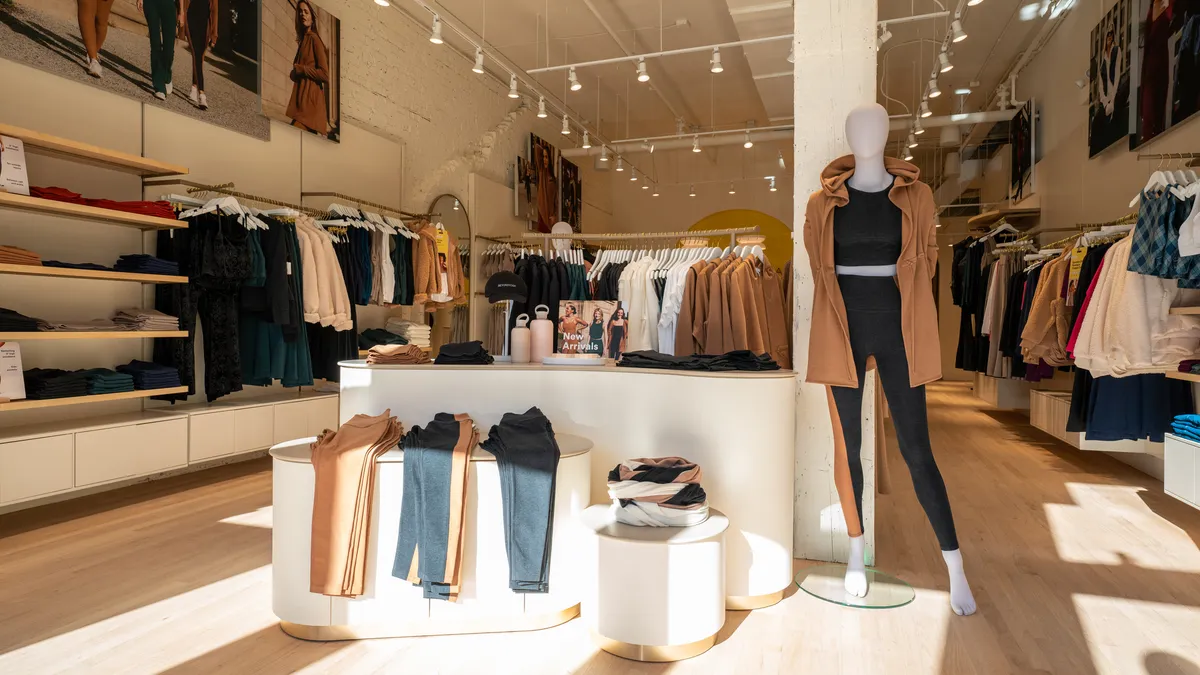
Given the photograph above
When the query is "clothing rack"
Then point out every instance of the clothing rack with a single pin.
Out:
(730, 232)
(374, 205)
(1168, 155)
(227, 189)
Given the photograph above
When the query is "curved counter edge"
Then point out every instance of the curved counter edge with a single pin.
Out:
(457, 626)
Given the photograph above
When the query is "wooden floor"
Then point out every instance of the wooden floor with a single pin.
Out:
(1080, 565)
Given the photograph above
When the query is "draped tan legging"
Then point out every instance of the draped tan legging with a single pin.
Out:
(93, 24)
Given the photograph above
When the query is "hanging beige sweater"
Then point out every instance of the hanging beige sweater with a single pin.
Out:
(1047, 316)
(333, 299)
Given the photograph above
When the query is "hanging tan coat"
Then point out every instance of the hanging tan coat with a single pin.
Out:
(830, 360)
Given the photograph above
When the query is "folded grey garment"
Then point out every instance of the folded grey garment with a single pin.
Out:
(649, 514)
(82, 326)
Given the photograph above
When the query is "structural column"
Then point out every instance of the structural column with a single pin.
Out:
(834, 72)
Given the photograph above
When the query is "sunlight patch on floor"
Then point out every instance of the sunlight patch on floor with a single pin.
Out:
(1111, 525)
(1133, 637)
(118, 644)
(258, 518)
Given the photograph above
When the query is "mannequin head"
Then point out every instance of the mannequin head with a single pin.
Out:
(867, 130)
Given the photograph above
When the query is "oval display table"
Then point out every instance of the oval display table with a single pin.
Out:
(394, 608)
(738, 426)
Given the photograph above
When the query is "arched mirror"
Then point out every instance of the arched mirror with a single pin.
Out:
(453, 324)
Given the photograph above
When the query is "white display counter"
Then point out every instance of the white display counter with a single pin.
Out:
(738, 426)
(392, 607)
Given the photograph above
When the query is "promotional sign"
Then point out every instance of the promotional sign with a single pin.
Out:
(592, 327)
(12, 379)
(14, 177)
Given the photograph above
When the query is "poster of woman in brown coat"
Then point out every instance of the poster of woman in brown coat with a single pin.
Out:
(308, 108)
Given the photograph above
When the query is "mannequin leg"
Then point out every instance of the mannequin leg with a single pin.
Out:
(846, 411)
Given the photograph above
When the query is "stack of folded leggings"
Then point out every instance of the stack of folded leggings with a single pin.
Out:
(1187, 426)
(433, 505)
(43, 383)
(463, 354)
(736, 360)
(145, 264)
(396, 355)
(344, 464)
(148, 375)
(378, 336)
(107, 381)
(527, 456)
(658, 492)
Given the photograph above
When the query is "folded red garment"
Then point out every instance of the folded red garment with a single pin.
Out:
(58, 194)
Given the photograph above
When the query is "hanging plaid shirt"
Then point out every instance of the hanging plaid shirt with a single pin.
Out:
(1148, 242)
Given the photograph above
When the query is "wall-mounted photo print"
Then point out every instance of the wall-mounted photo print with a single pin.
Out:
(544, 158)
(194, 57)
(301, 74)
(1108, 97)
(571, 208)
(1168, 66)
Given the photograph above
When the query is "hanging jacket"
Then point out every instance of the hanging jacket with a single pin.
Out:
(830, 360)
(428, 274)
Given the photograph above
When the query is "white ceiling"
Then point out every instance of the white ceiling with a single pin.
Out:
(756, 85)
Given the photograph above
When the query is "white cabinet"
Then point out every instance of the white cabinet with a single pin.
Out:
(306, 417)
(37, 467)
(1181, 470)
(211, 435)
(323, 414)
(253, 428)
(106, 455)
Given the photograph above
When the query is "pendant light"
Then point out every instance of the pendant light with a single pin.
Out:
(436, 36)
(731, 190)
(566, 130)
(695, 144)
(512, 87)
(542, 107)
(692, 192)
(604, 153)
(715, 62)
(944, 64)
(383, 3)
(655, 194)
(478, 67)
(575, 86)
(620, 163)
(749, 143)
(908, 156)
(633, 175)
(912, 140)
(917, 128)
(934, 92)
(924, 110)
(642, 75)
(772, 184)
(956, 31)
(587, 143)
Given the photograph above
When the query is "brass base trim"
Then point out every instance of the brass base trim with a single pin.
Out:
(430, 627)
(748, 602)
(651, 654)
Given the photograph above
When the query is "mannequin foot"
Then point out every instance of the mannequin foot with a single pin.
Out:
(856, 569)
(961, 599)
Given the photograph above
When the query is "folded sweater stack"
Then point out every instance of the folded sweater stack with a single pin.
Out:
(378, 336)
(145, 264)
(407, 355)
(658, 492)
(148, 375)
(1187, 426)
(44, 383)
(14, 255)
(463, 354)
(416, 333)
(145, 319)
(15, 322)
(93, 325)
(107, 381)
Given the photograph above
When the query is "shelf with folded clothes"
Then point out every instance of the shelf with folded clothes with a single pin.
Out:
(37, 142)
(100, 275)
(1190, 377)
(87, 212)
(92, 335)
(29, 404)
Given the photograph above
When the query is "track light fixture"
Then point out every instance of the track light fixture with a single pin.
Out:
(782, 164)
(587, 143)
(924, 110)
(478, 67)
(944, 64)
(908, 156)
(917, 128)
(749, 143)
(604, 153)
(633, 175)
(884, 36)
(731, 190)
(934, 92)
(512, 87)
(772, 183)
(383, 3)
(575, 86)
(715, 62)
(972, 3)
(956, 31)
(542, 106)
(620, 163)
(695, 144)
(646, 186)
(655, 191)
(792, 52)
(692, 191)
(566, 130)
(912, 140)
(642, 75)
(436, 36)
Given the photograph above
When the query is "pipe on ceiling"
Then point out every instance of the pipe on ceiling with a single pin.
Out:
(993, 116)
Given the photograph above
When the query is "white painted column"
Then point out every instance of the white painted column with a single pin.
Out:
(834, 72)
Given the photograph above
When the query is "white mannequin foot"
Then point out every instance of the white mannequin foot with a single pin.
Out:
(961, 600)
(856, 569)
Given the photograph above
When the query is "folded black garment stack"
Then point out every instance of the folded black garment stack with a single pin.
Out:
(463, 353)
(15, 322)
(378, 336)
(145, 264)
(741, 359)
(44, 383)
(148, 375)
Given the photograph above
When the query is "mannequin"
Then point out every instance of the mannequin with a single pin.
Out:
(872, 222)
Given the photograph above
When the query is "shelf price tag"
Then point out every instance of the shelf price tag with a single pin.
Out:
(14, 177)
(12, 378)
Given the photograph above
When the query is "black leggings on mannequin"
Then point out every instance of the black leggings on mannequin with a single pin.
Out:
(873, 315)
(197, 26)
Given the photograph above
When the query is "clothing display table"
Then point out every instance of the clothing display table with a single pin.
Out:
(654, 593)
(738, 426)
(393, 607)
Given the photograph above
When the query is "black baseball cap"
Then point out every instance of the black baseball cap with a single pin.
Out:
(505, 286)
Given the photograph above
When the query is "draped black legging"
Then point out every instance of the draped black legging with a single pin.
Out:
(873, 315)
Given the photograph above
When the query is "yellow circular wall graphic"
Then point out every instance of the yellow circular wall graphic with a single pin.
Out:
(778, 244)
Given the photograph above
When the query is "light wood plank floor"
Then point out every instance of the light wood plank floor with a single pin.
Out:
(1080, 565)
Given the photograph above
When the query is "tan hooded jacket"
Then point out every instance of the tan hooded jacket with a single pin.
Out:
(830, 360)
(427, 271)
